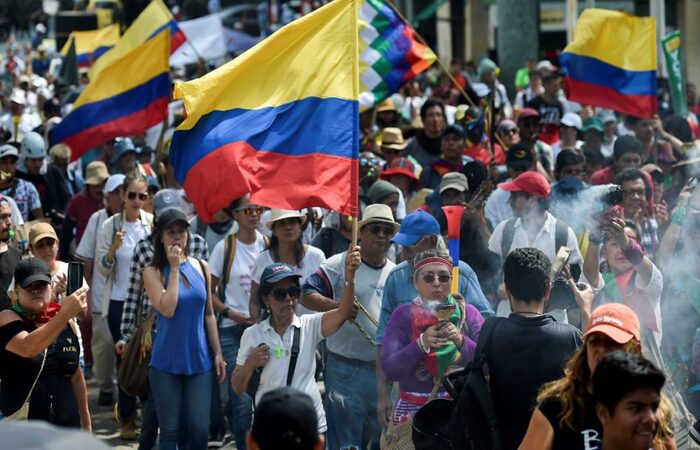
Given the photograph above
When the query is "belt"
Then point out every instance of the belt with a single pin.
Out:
(368, 365)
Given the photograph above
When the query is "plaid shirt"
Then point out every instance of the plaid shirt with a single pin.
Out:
(143, 254)
(650, 241)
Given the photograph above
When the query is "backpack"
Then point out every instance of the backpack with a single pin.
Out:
(474, 425)
(561, 236)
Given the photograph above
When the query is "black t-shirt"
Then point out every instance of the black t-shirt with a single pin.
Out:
(587, 434)
(330, 242)
(8, 261)
(525, 352)
(17, 374)
(52, 189)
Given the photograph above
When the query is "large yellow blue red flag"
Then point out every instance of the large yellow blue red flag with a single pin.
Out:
(612, 62)
(128, 96)
(152, 20)
(280, 121)
(90, 45)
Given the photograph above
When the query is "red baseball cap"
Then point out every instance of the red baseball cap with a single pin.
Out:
(528, 112)
(400, 166)
(615, 320)
(530, 182)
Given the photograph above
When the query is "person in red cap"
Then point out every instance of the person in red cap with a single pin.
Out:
(565, 416)
(532, 225)
(401, 173)
(529, 123)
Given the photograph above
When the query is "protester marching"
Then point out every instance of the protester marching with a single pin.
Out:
(334, 240)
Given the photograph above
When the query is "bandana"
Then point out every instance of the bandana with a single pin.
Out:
(43, 317)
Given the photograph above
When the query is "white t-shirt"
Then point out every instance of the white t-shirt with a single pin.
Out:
(133, 233)
(311, 262)
(497, 208)
(240, 276)
(274, 374)
(86, 252)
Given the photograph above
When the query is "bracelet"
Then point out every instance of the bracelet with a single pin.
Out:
(422, 345)
(678, 215)
(595, 238)
(349, 283)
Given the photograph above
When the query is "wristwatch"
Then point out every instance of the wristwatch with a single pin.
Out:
(226, 311)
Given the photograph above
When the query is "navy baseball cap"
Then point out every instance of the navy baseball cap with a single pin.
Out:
(277, 272)
(415, 227)
(285, 419)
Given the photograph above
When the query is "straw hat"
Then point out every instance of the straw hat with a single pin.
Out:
(96, 173)
(393, 138)
(280, 214)
(378, 213)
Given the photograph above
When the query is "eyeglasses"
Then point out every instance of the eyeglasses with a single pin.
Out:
(280, 294)
(510, 131)
(442, 278)
(250, 210)
(632, 194)
(143, 196)
(376, 229)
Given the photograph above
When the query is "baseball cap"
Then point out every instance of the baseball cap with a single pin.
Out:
(277, 272)
(461, 111)
(285, 418)
(28, 271)
(526, 113)
(8, 150)
(622, 145)
(415, 227)
(593, 123)
(170, 216)
(114, 182)
(40, 231)
(519, 156)
(454, 129)
(454, 180)
(615, 320)
(401, 166)
(545, 64)
(571, 119)
(530, 182)
(164, 199)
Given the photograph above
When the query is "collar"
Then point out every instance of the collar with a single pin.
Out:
(267, 327)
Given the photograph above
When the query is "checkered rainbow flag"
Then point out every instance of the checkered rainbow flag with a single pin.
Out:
(390, 55)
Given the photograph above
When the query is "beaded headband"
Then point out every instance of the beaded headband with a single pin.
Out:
(432, 260)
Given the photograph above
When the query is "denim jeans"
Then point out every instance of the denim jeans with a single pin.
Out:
(176, 395)
(238, 407)
(149, 424)
(127, 403)
(351, 405)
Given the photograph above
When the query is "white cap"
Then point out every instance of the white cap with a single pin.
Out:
(545, 64)
(481, 89)
(572, 119)
(8, 150)
(18, 97)
(114, 181)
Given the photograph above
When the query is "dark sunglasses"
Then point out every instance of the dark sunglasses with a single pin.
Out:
(250, 210)
(442, 278)
(143, 196)
(510, 131)
(376, 229)
(280, 294)
(364, 162)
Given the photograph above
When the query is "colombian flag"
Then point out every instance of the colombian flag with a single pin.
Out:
(280, 121)
(154, 19)
(612, 62)
(90, 45)
(114, 104)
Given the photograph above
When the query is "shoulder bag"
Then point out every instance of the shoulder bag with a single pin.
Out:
(23, 412)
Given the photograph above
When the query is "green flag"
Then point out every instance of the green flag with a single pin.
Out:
(676, 79)
(69, 70)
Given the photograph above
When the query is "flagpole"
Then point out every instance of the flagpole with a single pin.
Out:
(440, 63)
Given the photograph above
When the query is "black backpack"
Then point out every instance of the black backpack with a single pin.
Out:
(474, 425)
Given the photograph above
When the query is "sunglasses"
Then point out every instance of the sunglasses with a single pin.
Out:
(442, 278)
(364, 162)
(510, 131)
(376, 229)
(250, 210)
(143, 196)
(280, 294)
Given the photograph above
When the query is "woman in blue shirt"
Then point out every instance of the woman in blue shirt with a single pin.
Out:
(181, 362)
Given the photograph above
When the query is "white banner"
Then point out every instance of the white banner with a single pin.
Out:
(206, 35)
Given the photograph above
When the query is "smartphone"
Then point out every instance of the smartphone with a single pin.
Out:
(76, 271)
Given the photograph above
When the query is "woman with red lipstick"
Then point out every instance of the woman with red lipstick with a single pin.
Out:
(428, 336)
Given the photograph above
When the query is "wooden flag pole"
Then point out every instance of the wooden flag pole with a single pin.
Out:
(354, 231)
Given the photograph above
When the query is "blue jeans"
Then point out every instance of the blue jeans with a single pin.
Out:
(149, 424)
(351, 404)
(237, 407)
(176, 395)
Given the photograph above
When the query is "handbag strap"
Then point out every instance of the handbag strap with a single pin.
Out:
(295, 355)
(41, 369)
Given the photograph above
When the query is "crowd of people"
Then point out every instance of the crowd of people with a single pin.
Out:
(579, 244)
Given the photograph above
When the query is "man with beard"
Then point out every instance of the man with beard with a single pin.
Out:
(424, 147)
(352, 407)
(9, 256)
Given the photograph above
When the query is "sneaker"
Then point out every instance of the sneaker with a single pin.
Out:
(105, 399)
(694, 432)
(216, 440)
(129, 431)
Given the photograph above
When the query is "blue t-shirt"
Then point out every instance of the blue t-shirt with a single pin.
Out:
(180, 345)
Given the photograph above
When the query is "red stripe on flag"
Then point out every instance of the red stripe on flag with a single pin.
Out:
(273, 179)
(176, 40)
(135, 123)
(592, 94)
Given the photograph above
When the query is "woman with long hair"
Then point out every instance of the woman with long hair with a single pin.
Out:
(39, 354)
(116, 241)
(565, 417)
(180, 370)
(286, 246)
